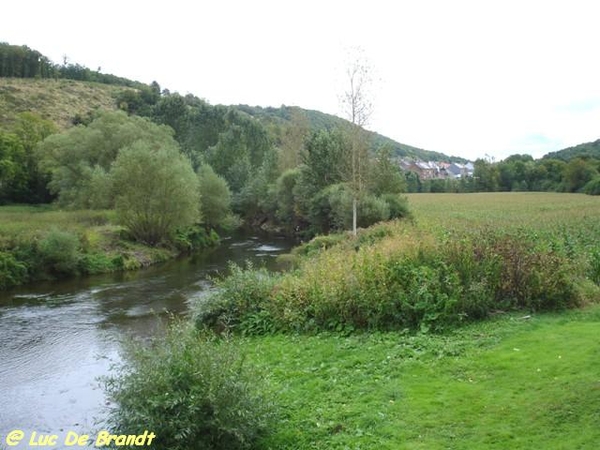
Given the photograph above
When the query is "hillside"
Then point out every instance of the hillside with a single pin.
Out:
(322, 121)
(62, 100)
(57, 100)
(586, 150)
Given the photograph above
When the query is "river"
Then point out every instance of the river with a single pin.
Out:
(57, 338)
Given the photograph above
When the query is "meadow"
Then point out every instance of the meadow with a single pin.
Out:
(474, 325)
(520, 379)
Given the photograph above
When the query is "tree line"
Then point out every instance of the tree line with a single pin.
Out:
(520, 173)
(20, 61)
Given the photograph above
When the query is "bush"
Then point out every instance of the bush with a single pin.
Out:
(195, 237)
(239, 296)
(592, 187)
(331, 209)
(318, 243)
(370, 211)
(157, 191)
(397, 204)
(59, 252)
(215, 197)
(94, 263)
(12, 272)
(192, 390)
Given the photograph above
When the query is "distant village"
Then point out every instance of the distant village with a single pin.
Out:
(432, 170)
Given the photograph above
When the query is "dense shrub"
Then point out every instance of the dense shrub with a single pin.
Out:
(12, 272)
(195, 237)
(94, 263)
(238, 298)
(592, 187)
(397, 205)
(594, 270)
(192, 390)
(59, 252)
(400, 281)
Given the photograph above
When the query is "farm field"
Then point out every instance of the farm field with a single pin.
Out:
(538, 210)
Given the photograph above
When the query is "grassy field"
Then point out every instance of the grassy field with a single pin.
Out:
(513, 382)
(519, 380)
(539, 210)
(57, 100)
(474, 326)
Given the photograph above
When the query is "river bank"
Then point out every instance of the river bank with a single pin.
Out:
(42, 243)
(58, 337)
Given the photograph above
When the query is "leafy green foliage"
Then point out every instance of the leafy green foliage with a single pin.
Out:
(578, 172)
(238, 301)
(287, 208)
(386, 177)
(12, 271)
(78, 157)
(215, 197)
(397, 206)
(592, 187)
(59, 251)
(396, 276)
(157, 191)
(12, 174)
(195, 237)
(32, 129)
(192, 390)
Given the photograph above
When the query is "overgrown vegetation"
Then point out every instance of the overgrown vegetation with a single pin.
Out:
(192, 391)
(368, 343)
(418, 276)
(38, 243)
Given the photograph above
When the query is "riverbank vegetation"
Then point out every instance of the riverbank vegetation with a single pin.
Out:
(43, 242)
(439, 271)
(471, 326)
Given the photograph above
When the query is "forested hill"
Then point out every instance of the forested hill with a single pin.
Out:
(586, 150)
(317, 120)
(71, 93)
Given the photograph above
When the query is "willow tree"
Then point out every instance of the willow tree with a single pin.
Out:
(357, 107)
(157, 191)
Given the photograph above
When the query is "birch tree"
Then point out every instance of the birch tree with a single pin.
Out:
(358, 107)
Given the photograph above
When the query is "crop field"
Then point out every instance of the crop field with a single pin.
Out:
(537, 210)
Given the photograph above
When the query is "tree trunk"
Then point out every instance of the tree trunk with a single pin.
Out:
(354, 215)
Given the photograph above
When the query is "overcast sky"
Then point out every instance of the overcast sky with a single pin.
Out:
(467, 78)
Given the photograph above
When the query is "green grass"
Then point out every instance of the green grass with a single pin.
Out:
(100, 246)
(540, 210)
(508, 383)
(518, 380)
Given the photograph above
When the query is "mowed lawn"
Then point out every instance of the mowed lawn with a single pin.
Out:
(514, 382)
(517, 381)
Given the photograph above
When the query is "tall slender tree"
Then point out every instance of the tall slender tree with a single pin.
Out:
(357, 107)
